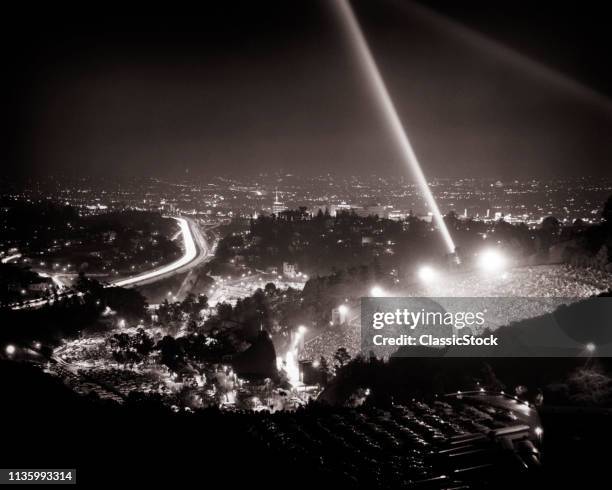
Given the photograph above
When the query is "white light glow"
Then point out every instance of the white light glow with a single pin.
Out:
(491, 261)
(377, 292)
(379, 88)
(427, 273)
(292, 368)
(10, 350)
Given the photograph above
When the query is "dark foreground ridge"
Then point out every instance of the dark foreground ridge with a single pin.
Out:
(465, 440)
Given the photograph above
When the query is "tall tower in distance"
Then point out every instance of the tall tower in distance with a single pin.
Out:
(277, 206)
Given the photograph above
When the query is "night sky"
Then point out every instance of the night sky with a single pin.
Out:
(264, 86)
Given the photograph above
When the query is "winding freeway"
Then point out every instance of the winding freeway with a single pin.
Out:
(197, 251)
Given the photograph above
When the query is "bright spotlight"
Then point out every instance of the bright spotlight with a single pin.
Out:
(10, 349)
(539, 431)
(301, 329)
(491, 261)
(379, 89)
(343, 309)
(590, 347)
(376, 292)
(427, 273)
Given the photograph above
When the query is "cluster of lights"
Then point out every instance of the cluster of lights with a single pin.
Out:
(489, 261)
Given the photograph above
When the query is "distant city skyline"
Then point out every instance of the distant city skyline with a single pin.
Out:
(224, 197)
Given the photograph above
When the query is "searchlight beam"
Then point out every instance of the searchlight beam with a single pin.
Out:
(379, 88)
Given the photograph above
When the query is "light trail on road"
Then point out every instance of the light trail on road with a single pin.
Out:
(190, 254)
(188, 258)
(56, 280)
(8, 259)
(372, 72)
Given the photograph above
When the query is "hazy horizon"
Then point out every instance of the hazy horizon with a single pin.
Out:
(276, 86)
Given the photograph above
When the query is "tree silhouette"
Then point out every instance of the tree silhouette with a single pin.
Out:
(341, 357)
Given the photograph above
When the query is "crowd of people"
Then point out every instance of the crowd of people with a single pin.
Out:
(124, 381)
(556, 281)
(510, 296)
(326, 343)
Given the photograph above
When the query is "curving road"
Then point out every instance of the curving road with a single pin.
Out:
(196, 252)
(8, 259)
(191, 254)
